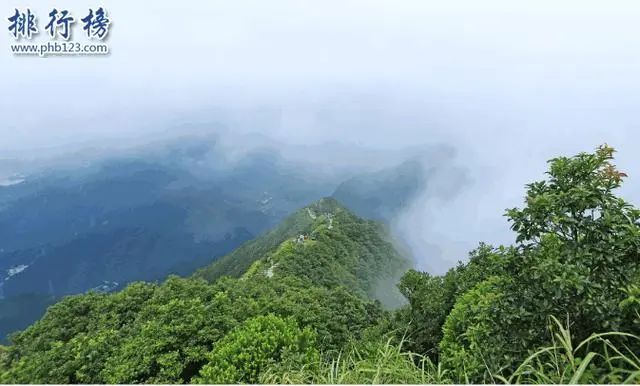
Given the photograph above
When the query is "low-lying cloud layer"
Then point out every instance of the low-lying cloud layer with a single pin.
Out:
(507, 84)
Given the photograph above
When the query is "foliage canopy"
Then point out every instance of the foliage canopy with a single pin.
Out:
(561, 305)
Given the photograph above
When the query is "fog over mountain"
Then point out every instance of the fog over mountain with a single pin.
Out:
(347, 86)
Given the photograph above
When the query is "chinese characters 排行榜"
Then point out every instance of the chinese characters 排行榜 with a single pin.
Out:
(25, 24)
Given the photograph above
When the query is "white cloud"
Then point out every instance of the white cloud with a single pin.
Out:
(510, 84)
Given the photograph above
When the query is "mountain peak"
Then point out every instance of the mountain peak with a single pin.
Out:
(326, 204)
(323, 243)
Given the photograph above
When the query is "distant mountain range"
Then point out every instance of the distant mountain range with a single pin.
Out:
(169, 211)
(382, 194)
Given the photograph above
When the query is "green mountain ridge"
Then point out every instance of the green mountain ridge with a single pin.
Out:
(322, 267)
(324, 244)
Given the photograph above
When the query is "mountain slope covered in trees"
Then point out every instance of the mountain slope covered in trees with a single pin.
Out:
(320, 271)
(101, 222)
(560, 305)
(324, 244)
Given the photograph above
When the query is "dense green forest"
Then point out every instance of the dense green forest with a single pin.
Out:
(312, 301)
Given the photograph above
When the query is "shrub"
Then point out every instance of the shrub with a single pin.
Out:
(242, 355)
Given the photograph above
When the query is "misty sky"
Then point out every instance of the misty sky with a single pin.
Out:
(509, 84)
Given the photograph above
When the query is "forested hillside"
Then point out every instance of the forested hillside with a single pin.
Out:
(323, 244)
(142, 216)
(315, 276)
(165, 208)
(304, 304)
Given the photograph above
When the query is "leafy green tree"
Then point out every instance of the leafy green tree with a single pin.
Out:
(242, 355)
(577, 248)
(468, 348)
(579, 245)
(171, 334)
(431, 298)
(162, 333)
(71, 343)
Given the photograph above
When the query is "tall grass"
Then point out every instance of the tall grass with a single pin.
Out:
(601, 358)
(380, 363)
